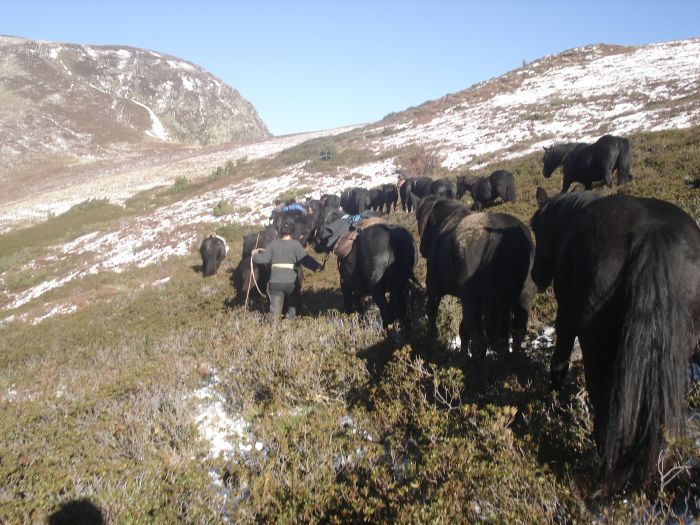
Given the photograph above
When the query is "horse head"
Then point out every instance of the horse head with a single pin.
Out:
(464, 184)
(550, 162)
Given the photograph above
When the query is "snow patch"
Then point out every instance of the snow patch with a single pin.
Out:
(157, 129)
(568, 102)
(176, 64)
(227, 434)
(188, 83)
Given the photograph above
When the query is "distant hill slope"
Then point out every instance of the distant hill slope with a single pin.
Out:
(61, 102)
(576, 95)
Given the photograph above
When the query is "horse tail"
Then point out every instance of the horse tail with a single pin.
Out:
(624, 160)
(646, 384)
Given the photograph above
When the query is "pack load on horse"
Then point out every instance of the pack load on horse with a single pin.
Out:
(328, 235)
(627, 282)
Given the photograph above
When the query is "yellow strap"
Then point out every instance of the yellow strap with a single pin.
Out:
(288, 266)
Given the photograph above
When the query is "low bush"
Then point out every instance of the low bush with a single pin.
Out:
(222, 208)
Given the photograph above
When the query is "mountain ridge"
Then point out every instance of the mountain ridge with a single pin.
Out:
(65, 103)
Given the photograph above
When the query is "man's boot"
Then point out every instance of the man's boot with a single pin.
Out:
(276, 305)
(292, 310)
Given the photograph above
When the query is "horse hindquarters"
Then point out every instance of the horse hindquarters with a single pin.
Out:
(647, 380)
(624, 159)
(210, 263)
(213, 252)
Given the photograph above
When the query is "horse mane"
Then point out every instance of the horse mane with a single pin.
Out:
(560, 207)
(447, 214)
(423, 212)
(436, 217)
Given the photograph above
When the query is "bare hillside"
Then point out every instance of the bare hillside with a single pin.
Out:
(66, 106)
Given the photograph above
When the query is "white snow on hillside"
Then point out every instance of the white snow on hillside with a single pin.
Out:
(574, 100)
(131, 179)
(177, 230)
(570, 102)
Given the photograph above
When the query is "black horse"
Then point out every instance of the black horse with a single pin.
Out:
(381, 262)
(442, 188)
(403, 186)
(355, 200)
(464, 184)
(590, 164)
(484, 260)
(213, 250)
(627, 283)
(383, 197)
(485, 190)
(420, 186)
(376, 199)
(305, 223)
(331, 207)
(390, 197)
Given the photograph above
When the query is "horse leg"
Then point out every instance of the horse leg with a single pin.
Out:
(608, 178)
(497, 330)
(385, 309)
(432, 307)
(347, 298)
(397, 300)
(470, 330)
(559, 365)
(519, 327)
(565, 184)
(597, 350)
(521, 314)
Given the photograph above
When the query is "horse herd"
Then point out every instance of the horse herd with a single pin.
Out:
(624, 270)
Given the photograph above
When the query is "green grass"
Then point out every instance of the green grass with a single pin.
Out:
(357, 425)
(17, 247)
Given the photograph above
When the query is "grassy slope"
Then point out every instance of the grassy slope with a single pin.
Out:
(97, 404)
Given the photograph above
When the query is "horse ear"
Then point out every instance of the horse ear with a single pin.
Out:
(541, 197)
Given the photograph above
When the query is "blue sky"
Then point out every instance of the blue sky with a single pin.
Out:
(309, 65)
